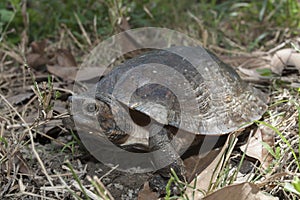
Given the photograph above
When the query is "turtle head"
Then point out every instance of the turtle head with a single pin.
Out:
(93, 115)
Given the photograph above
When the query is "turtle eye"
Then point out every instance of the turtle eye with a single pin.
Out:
(91, 107)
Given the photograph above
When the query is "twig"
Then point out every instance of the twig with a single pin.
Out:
(83, 30)
(35, 195)
(32, 143)
(107, 173)
(73, 37)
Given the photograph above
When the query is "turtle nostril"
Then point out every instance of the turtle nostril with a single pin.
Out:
(139, 118)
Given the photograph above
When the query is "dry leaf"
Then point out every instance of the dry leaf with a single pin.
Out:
(65, 73)
(16, 161)
(89, 73)
(65, 58)
(285, 57)
(146, 193)
(36, 60)
(38, 47)
(37, 57)
(255, 148)
(129, 42)
(242, 191)
(196, 164)
(250, 72)
(123, 24)
(60, 106)
(20, 98)
(208, 175)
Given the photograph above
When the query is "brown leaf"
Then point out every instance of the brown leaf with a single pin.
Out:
(146, 193)
(36, 61)
(38, 47)
(65, 73)
(123, 25)
(37, 57)
(60, 106)
(255, 148)
(209, 174)
(196, 164)
(16, 161)
(242, 191)
(24, 168)
(88, 73)
(285, 57)
(20, 98)
(65, 58)
(250, 72)
(128, 42)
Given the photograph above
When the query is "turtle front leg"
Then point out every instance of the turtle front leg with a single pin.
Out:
(165, 157)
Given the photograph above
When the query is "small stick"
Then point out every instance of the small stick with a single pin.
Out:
(32, 143)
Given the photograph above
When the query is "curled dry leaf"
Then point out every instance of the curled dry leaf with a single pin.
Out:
(242, 191)
(255, 147)
(285, 57)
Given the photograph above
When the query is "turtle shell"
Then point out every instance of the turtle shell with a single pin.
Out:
(185, 87)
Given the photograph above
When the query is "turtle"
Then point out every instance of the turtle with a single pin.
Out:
(170, 95)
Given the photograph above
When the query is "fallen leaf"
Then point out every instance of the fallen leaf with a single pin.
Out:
(65, 73)
(20, 98)
(195, 164)
(209, 174)
(37, 57)
(15, 160)
(283, 58)
(89, 73)
(255, 147)
(36, 61)
(38, 47)
(242, 191)
(250, 72)
(146, 193)
(60, 106)
(65, 58)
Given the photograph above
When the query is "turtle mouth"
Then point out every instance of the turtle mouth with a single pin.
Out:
(87, 124)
